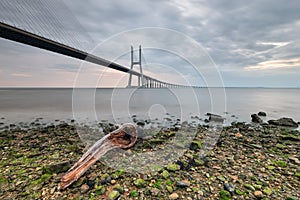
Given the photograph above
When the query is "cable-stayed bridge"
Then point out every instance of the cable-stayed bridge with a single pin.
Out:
(26, 34)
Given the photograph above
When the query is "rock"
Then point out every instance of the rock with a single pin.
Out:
(238, 192)
(294, 160)
(119, 188)
(288, 122)
(84, 188)
(263, 114)
(229, 187)
(199, 162)
(184, 183)
(53, 190)
(113, 195)
(195, 145)
(140, 183)
(169, 188)
(90, 183)
(290, 137)
(238, 134)
(258, 194)
(174, 196)
(155, 191)
(267, 191)
(256, 119)
(140, 123)
(100, 189)
(224, 195)
(173, 167)
(256, 146)
(165, 174)
(133, 193)
(249, 186)
(221, 178)
(57, 168)
(216, 118)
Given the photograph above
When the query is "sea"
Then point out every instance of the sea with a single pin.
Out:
(122, 105)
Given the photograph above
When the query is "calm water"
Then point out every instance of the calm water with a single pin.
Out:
(118, 105)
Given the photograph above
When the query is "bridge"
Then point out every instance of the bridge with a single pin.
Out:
(17, 34)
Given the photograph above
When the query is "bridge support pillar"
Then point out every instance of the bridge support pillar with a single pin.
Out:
(139, 63)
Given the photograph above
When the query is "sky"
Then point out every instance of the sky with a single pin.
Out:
(249, 43)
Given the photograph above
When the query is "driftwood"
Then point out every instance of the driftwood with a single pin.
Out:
(124, 137)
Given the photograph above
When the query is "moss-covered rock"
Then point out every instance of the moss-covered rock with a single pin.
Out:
(173, 167)
(280, 163)
(224, 195)
(195, 145)
(56, 168)
(140, 183)
(99, 190)
(267, 191)
(133, 193)
(113, 195)
(250, 187)
(165, 174)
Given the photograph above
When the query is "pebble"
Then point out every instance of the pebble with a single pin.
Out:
(53, 190)
(229, 187)
(155, 191)
(174, 196)
(184, 183)
(258, 194)
(84, 188)
(113, 195)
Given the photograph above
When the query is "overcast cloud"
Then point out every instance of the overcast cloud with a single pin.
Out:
(253, 43)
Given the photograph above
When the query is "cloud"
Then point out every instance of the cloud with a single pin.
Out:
(21, 75)
(275, 64)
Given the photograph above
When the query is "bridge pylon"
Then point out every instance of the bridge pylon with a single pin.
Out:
(139, 64)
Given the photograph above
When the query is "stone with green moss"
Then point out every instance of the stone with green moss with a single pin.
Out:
(280, 163)
(157, 168)
(119, 188)
(133, 193)
(290, 198)
(157, 141)
(221, 178)
(199, 162)
(249, 186)
(239, 192)
(271, 167)
(267, 191)
(171, 134)
(120, 172)
(44, 178)
(196, 145)
(104, 176)
(173, 167)
(99, 190)
(56, 168)
(3, 180)
(224, 195)
(169, 182)
(140, 183)
(113, 195)
(169, 188)
(165, 174)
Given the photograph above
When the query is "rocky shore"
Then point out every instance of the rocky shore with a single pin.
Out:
(248, 161)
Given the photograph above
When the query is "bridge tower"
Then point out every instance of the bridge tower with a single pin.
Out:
(139, 63)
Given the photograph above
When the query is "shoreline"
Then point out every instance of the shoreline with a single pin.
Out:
(246, 161)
